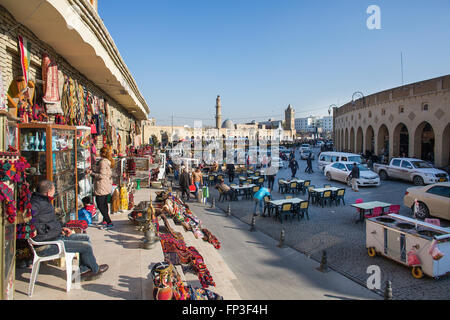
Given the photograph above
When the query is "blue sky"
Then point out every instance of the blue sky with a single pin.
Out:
(261, 55)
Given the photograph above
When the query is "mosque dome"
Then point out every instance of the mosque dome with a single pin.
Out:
(228, 124)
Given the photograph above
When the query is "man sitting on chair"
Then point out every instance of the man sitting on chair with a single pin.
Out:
(50, 229)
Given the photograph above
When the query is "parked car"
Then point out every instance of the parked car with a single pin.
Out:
(415, 170)
(325, 158)
(434, 200)
(340, 171)
(304, 154)
(305, 146)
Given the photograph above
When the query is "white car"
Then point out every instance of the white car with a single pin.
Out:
(304, 154)
(341, 170)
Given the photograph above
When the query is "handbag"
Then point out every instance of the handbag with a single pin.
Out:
(192, 188)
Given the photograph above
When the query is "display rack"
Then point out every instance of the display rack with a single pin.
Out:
(51, 150)
(84, 162)
(7, 245)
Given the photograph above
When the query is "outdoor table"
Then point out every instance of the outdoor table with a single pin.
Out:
(240, 190)
(320, 191)
(285, 182)
(279, 203)
(369, 206)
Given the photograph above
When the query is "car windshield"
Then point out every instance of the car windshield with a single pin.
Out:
(355, 159)
(421, 164)
(361, 167)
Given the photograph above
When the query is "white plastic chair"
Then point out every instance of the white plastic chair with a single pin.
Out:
(37, 262)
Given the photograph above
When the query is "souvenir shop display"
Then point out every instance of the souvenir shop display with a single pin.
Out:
(15, 208)
(51, 150)
(167, 285)
(84, 162)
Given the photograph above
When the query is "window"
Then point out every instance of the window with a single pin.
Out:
(401, 109)
(425, 107)
(440, 191)
(383, 112)
(421, 165)
(406, 164)
(336, 166)
(344, 159)
(396, 163)
(356, 159)
(334, 158)
(370, 114)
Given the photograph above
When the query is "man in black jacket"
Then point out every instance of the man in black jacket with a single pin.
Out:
(354, 175)
(293, 164)
(230, 170)
(48, 228)
(185, 182)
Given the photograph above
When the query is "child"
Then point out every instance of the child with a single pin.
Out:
(88, 211)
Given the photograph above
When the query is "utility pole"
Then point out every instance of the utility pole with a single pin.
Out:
(401, 62)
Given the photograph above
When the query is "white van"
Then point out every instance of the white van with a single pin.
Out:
(325, 158)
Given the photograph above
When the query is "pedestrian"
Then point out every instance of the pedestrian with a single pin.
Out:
(197, 180)
(271, 172)
(103, 185)
(309, 168)
(293, 164)
(48, 228)
(354, 176)
(231, 171)
(185, 183)
(259, 199)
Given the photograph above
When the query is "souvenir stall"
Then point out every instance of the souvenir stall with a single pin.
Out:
(166, 279)
(51, 150)
(84, 162)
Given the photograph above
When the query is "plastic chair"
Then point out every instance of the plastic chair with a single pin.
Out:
(37, 262)
(395, 208)
(286, 211)
(327, 185)
(376, 212)
(339, 196)
(325, 197)
(288, 197)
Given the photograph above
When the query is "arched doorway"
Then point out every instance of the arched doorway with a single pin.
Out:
(445, 156)
(370, 140)
(346, 140)
(401, 141)
(383, 143)
(424, 142)
(359, 141)
(352, 140)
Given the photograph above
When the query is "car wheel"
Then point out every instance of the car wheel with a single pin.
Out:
(328, 176)
(383, 175)
(423, 212)
(418, 181)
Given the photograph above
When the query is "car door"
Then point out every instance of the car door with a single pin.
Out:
(437, 199)
(394, 169)
(341, 172)
(406, 170)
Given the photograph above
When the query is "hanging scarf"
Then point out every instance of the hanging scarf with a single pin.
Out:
(3, 105)
(24, 50)
(50, 80)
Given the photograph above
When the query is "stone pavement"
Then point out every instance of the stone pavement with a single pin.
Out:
(128, 277)
(333, 229)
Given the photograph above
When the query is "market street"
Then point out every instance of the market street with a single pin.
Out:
(333, 229)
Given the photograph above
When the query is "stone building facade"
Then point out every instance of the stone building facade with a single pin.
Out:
(100, 69)
(412, 120)
(253, 131)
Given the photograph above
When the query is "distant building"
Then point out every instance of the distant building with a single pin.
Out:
(313, 124)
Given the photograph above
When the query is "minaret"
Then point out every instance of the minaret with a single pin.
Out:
(289, 117)
(218, 113)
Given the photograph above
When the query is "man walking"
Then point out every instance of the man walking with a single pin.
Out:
(197, 180)
(185, 183)
(354, 176)
(293, 164)
(309, 163)
(230, 171)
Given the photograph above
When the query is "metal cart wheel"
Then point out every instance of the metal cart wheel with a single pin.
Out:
(417, 272)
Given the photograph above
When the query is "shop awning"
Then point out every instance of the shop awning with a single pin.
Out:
(76, 32)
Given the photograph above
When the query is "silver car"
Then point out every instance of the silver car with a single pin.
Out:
(340, 171)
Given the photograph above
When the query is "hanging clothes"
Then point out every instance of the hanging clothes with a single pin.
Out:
(24, 50)
(50, 80)
(3, 105)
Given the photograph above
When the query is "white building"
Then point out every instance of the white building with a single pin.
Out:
(309, 124)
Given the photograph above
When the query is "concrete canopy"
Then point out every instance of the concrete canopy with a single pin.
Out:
(75, 31)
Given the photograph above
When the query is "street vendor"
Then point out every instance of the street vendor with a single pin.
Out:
(50, 229)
